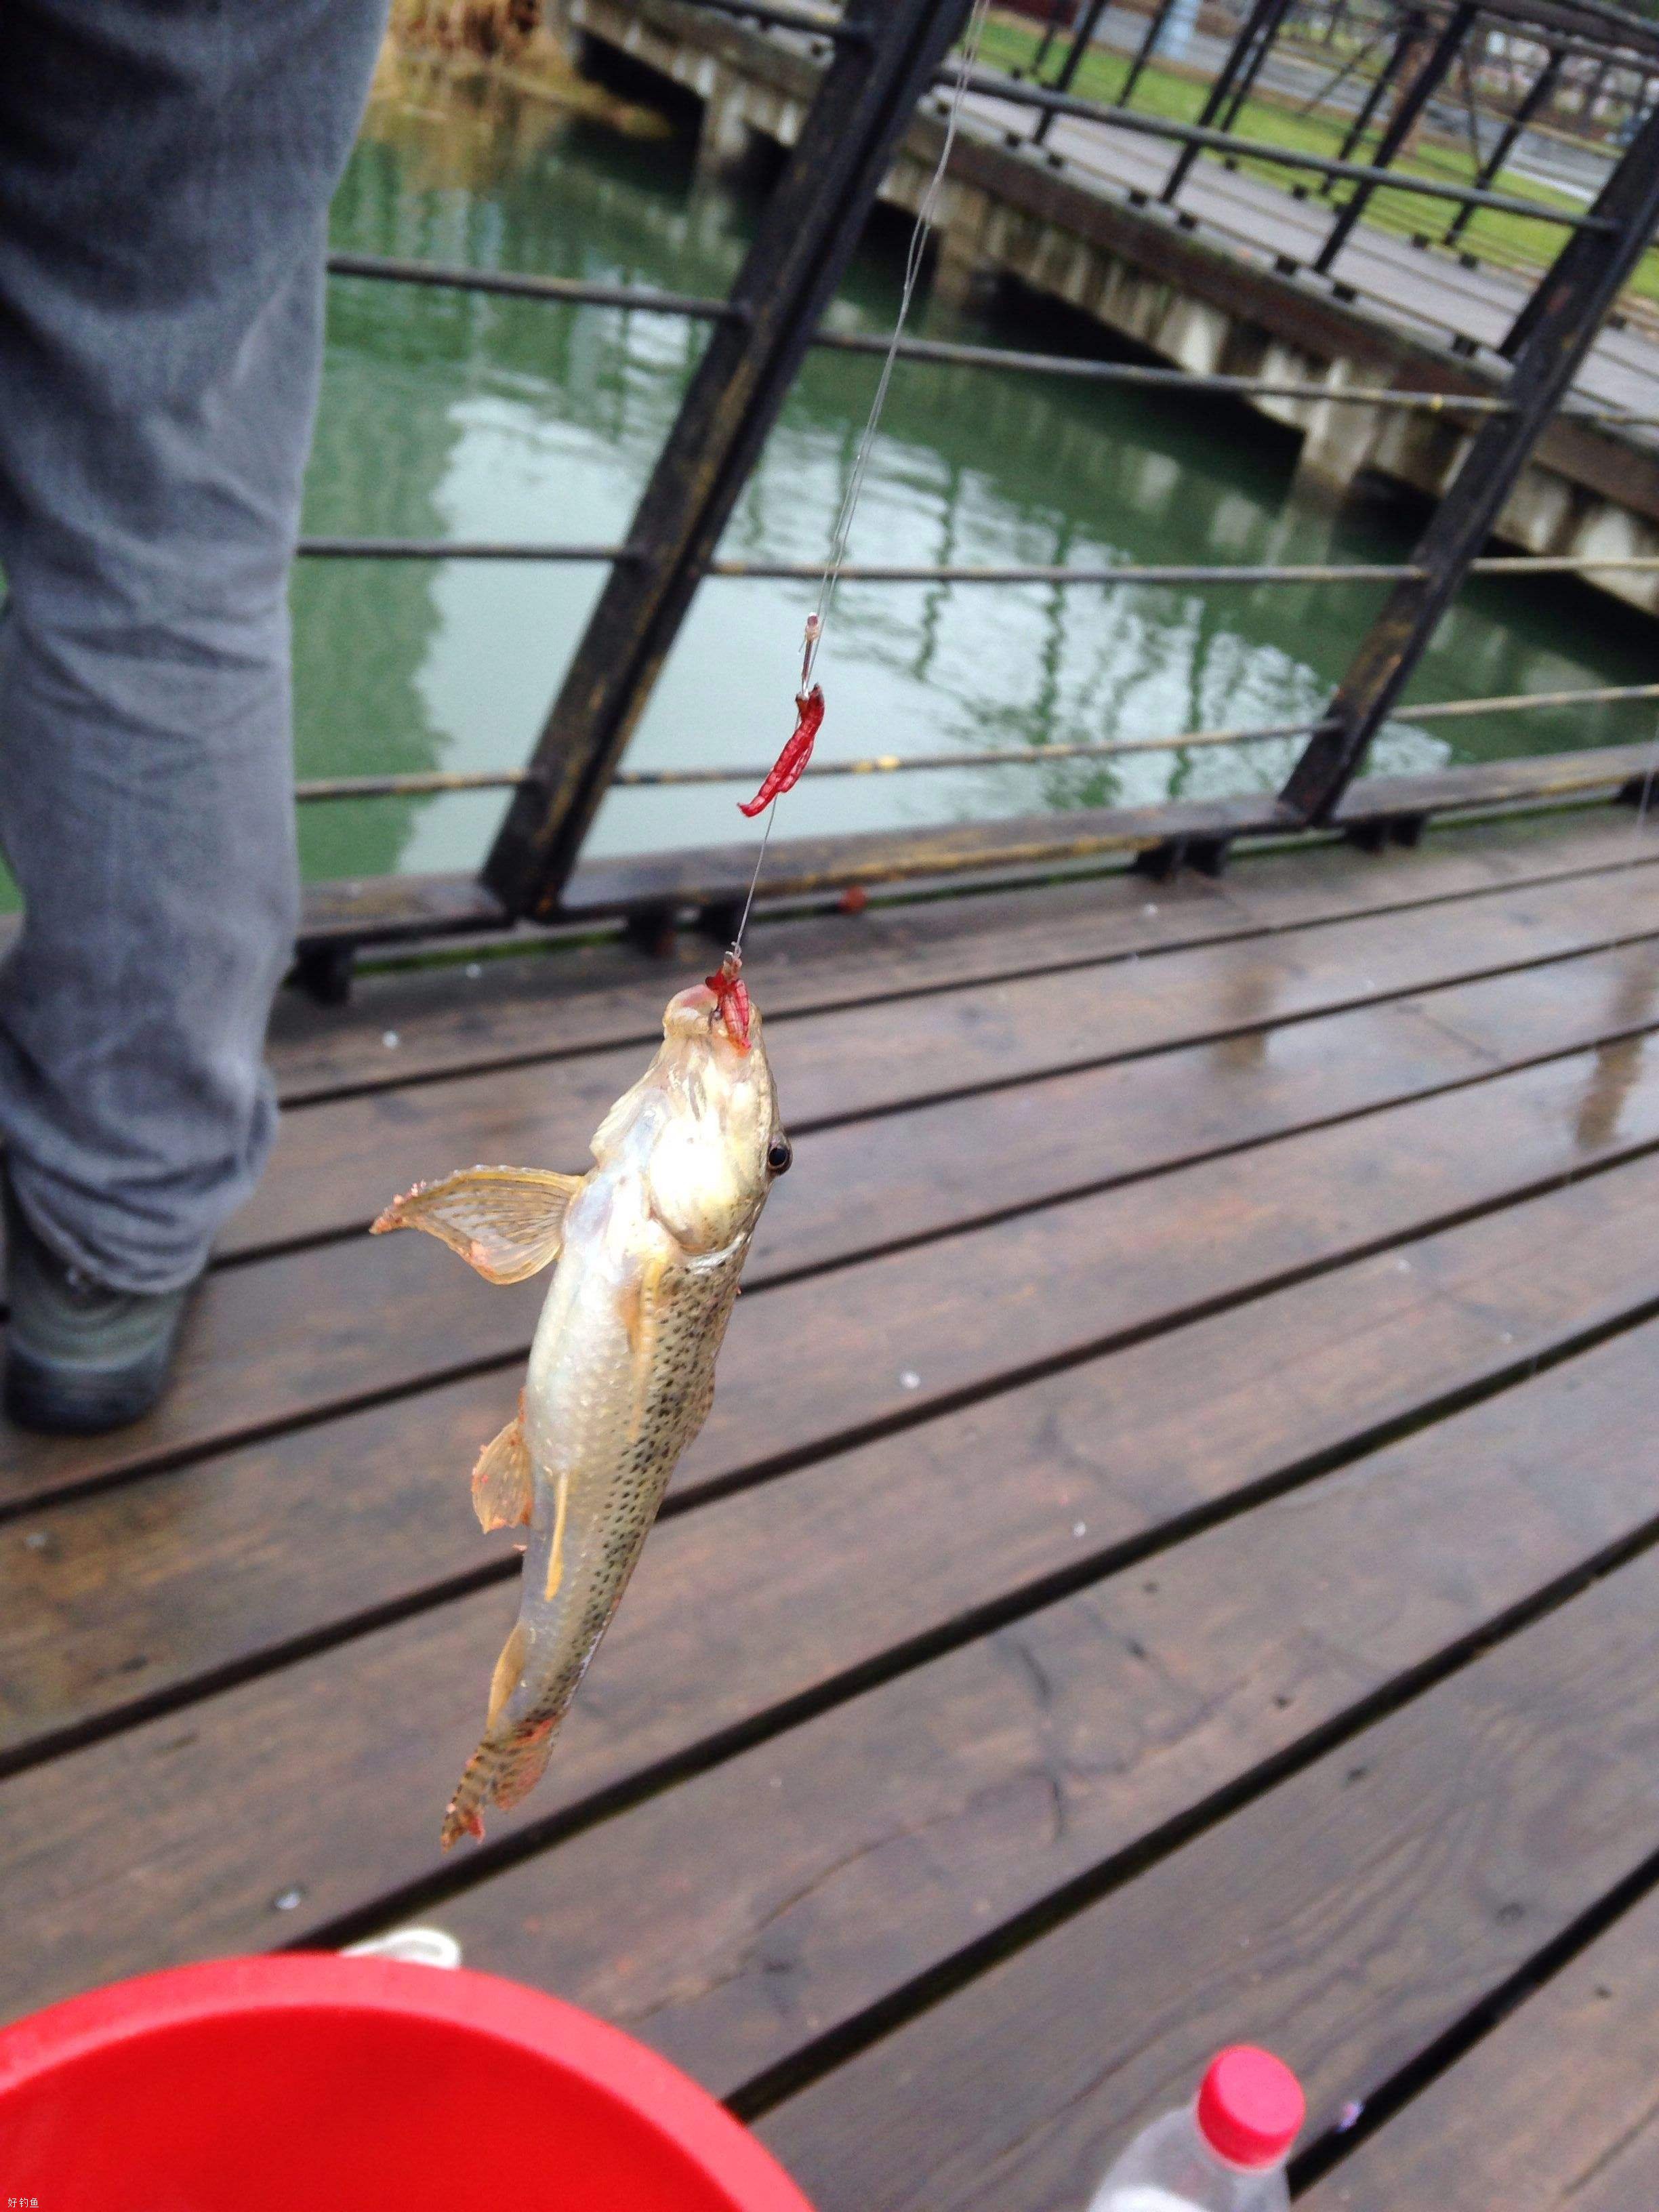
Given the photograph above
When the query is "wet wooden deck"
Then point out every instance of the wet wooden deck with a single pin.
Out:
(1173, 1557)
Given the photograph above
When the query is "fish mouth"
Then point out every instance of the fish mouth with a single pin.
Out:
(690, 1012)
(695, 1015)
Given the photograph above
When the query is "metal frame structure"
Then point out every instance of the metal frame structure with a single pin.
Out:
(886, 56)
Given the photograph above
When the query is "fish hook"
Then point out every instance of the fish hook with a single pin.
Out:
(733, 994)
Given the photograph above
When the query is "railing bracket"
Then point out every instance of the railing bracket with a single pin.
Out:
(652, 930)
(1205, 856)
(1386, 830)
(719, 921)
(324, 972)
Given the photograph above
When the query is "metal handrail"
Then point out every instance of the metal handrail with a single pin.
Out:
(559, 291)
(564, 291)
(923, 571)
(427, 782)
(1020, 91)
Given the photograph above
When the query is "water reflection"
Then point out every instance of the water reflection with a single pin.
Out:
(1618, 1064)
(468, 416)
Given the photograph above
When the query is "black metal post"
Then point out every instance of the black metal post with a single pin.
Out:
(1585, 281)
(1414, 99)
(1073, 62)
(1520, 330)
(1057, 11)
(806, 234)
(1252, 69)
(1409, 38)
(1261, 21)
(1543, 85)
(1161, 16)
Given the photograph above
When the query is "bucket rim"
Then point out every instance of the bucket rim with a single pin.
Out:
(605, 2058)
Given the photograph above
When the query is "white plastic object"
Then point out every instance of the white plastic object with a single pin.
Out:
(1224, 2152)
(416, 1947)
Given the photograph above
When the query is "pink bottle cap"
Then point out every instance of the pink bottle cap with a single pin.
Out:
(1250, 2106)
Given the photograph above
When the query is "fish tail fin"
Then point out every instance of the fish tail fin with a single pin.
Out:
(499, 1772)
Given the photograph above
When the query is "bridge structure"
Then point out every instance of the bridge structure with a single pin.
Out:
(1532, 430)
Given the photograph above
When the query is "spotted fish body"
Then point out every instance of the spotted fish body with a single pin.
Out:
(651, 1244)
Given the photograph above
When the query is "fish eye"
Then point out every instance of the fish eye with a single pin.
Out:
(779, 1154)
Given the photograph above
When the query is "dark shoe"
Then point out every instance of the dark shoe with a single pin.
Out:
(80, 1358)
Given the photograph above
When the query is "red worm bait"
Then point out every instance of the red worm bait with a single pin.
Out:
(808, 705)
(729, 987)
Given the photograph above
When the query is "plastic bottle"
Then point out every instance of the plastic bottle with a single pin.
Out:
(1224, 2152)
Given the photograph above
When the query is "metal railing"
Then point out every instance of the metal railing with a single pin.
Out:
(884, 56)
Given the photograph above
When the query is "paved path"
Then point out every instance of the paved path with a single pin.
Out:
(1429, 293)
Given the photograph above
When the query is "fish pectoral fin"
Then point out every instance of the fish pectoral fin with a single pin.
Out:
(503, 1482)
(505, 1222)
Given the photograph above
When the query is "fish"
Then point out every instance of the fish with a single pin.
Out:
(648, 1247)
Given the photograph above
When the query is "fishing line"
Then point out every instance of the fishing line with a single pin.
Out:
(818, 620)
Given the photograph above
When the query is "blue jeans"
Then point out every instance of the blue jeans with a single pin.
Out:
(165, 167)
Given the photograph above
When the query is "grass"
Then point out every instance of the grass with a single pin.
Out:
(1514, 241)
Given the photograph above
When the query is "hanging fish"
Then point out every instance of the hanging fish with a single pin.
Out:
(650, 1243)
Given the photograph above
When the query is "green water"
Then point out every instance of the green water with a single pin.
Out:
(448, 414)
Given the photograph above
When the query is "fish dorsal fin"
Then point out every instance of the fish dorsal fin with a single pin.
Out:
(502, 1484)
(505, 1222)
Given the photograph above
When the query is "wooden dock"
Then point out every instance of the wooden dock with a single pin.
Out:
(1174, 1557)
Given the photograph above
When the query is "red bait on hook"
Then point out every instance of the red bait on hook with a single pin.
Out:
(733, 993)
(809, 706)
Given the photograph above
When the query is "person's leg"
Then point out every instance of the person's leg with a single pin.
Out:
(165, 172)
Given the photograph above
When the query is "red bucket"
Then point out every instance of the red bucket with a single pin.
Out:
(258, 2085)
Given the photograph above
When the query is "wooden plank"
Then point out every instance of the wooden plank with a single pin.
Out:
(577, 997)
(796, 866)
(190, 1576)
(804, 1881)
(375, 909)
(268, 1547)
(704, 875)
(328, 1170)
(326, 1777)
(320, 1330)
(1346, 1919)
(1497, 783)
(1553, 2110)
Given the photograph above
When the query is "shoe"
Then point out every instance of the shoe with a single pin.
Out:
(80, 1358)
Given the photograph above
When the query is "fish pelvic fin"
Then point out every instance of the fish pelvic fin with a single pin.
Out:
(498, 1773)
(503, 1481)
(506, 1222)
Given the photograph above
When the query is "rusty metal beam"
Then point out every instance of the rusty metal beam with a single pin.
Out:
(806, 236)
(1574, 298)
